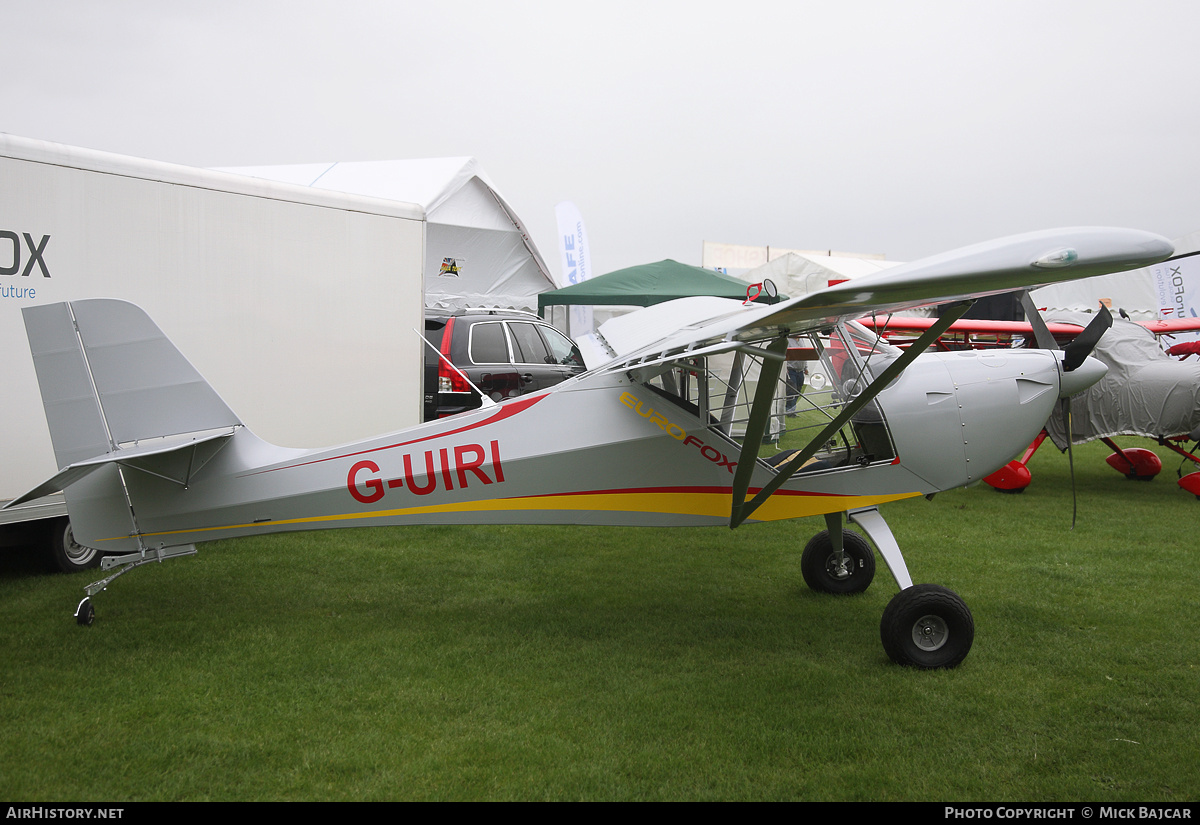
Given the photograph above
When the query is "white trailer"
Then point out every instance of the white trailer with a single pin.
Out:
(298, 305)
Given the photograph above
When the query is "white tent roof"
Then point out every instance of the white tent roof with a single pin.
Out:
(1132, 291)
(1135, 291)
(798, 273)
(494, 261)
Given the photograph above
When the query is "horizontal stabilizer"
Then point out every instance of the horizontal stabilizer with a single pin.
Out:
(175, 459)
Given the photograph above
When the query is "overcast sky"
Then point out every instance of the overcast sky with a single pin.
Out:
(904, 128)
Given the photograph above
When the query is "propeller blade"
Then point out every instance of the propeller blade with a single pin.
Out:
(1085, 342)
(1041, 333)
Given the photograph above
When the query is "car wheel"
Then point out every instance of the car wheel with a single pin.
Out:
(63, 553)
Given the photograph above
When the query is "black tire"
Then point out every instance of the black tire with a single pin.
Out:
(63, 553)
(824, 574)
(85, 613)
(927, 626)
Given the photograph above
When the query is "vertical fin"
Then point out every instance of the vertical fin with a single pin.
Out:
(109, 377)
(146, 388)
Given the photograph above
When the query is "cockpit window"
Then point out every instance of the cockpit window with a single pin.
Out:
(822, 375)
(684, 384)
(847, 359)
(874, 352)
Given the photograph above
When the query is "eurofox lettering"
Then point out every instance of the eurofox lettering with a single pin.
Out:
(676, 432)
(1177, 282)
(463, 464)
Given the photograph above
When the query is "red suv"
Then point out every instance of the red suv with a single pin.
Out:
(505, 353)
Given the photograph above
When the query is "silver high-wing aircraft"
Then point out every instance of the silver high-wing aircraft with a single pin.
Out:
(670, 433)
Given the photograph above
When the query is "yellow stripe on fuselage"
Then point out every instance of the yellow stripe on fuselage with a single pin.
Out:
(689, 503)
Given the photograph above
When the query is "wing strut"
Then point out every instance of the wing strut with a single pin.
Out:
(760, 412)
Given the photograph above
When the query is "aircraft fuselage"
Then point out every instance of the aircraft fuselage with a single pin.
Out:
(600, 449)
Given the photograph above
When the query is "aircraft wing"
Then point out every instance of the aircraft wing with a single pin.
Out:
(1019, 262)
(1172, 325)
(1061, 331)
(974, 332)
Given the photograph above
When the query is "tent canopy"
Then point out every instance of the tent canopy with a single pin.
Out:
(477, 251)
(647, 284)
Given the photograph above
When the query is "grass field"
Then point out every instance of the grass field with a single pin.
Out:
(533, 663)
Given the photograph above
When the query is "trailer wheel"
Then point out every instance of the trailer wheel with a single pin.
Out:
(825, 574)
(63, 553)
(927, 626)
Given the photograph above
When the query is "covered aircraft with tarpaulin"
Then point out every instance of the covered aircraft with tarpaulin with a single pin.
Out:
(1145, 392)
(477, 251)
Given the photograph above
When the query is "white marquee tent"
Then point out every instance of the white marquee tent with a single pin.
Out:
(477, 251)
(1136, 291)
(797, 274)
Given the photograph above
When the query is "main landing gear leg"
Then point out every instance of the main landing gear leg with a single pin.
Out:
(877, 530)
(924, 625)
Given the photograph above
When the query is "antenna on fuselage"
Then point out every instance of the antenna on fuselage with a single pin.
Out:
(487, 400)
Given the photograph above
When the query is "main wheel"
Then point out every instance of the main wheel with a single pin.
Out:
(824, 572)
(927, 626)
(63, 553)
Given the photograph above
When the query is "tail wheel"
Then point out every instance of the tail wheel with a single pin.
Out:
(85, 613)
(927, 626)
(63, 553)
(827, 572)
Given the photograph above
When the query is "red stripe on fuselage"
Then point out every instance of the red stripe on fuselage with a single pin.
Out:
(506, 410)
(721, 490)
